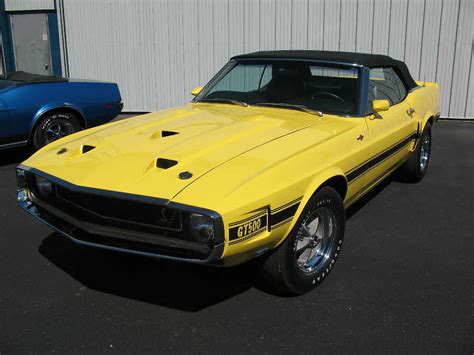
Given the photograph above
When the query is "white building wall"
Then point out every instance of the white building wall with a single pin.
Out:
(29, 5)
(159, 50)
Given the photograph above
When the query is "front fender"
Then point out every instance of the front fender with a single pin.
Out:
(318, 180)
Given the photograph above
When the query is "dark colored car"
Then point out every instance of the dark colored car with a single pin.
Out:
(37, 109)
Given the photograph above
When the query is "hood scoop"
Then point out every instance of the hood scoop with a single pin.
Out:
(168, 133)
(163, 134)
(165, 163)
(87, 148)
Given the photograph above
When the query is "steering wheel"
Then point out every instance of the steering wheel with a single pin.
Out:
(326, 93)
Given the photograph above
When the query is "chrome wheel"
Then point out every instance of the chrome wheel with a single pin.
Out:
(315, 240)
(56, 129)
(425, 150)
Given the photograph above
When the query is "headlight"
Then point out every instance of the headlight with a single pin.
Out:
(45, 187)
(202, 227)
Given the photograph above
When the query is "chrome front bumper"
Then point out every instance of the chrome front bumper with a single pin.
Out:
(118, 239)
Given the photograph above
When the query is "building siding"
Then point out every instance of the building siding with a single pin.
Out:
(29, 5)
(159, 50)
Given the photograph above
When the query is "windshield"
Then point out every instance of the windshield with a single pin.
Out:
(286, 83)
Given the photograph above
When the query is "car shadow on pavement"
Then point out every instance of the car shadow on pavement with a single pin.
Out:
(364, 200)
(11, 156)
(181, 286)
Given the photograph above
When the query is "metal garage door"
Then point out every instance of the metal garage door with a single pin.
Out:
(31, 43)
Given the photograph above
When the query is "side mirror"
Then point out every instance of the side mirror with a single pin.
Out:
(380, 105)
(196, 91)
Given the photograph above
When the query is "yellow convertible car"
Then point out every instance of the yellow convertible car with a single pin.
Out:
(261, 164)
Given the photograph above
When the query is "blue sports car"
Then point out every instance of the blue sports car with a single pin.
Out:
(37, 109)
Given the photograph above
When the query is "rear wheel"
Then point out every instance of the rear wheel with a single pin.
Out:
(54, 126)
(415, 168)
(310, 251)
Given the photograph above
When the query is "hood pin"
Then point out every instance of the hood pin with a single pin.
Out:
(185, 175)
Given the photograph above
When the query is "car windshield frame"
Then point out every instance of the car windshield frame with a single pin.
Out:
(358, 95)
(5, 83)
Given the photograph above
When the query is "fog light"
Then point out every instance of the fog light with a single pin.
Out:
(45, 187)
(202, 227)
(21, 179)
(23, 198)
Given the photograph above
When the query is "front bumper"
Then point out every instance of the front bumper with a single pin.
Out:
(151, 243)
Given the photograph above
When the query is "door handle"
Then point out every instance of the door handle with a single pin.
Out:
(410, 111)
(46, 66)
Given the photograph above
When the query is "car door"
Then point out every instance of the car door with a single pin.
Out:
(390, 132)
(5, 129)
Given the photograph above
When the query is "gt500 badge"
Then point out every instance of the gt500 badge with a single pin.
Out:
(248, 227)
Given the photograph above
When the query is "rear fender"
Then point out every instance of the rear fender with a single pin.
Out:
(420, 127)
(55, 106)
(427, 117)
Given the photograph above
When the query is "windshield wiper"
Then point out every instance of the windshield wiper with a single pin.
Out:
(291, 107)
(225, 101)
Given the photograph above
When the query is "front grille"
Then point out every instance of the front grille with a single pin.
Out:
(124, 214)
(118, 210)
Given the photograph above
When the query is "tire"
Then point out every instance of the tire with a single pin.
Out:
(285, 269)
(54, 126)
(415, 168)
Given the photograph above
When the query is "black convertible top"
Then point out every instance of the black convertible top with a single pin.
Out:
(368, 60)
(25, 77)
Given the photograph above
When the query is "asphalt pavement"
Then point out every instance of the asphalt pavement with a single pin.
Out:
(403, 283)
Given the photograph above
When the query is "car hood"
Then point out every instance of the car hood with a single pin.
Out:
(145, 155)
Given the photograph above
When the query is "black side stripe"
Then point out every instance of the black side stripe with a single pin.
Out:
(287, 204)
(240, 233)
(235, 241)
(265, 219)
(261, 213)
(283, 215)
(357, 172)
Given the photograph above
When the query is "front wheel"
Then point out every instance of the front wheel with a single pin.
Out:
(311, 249)
(53, 127)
